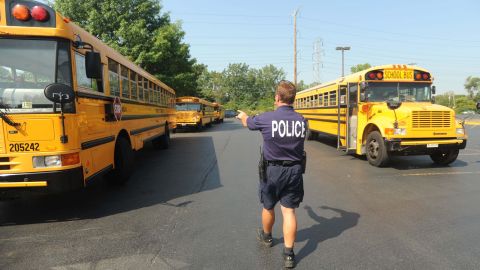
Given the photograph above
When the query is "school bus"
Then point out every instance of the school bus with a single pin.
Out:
(381, 112)
(219, 112)
(194, 112)
(72, 108)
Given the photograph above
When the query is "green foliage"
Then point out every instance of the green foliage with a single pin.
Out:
(138, 30)
(459, 103)
(360, 67)
(472, 85)
(241, 87)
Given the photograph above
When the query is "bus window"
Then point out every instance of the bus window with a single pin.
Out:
(140, 87)
(133, 84)
(320, 100)
(146, 96)
(325, 99)
(82, 80)
(113, 78)
(333, 98)
(124, 75)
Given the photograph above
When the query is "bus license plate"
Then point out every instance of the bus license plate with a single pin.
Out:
(397, 74)
(432, 145)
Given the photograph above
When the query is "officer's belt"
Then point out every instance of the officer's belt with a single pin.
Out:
(286, 163)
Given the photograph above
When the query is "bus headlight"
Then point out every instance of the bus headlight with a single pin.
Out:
(400, 131)
(56, 160)
(47, 161)
(460, 131)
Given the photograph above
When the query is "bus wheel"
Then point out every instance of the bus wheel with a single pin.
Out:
(124, 159)
(162, 142)
(311, 135)
(444, 157)
(377, 154)
(200, 126)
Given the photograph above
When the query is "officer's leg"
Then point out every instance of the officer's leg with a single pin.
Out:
(289, 226)
(268, 219)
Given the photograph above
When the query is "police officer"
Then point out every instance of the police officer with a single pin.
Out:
(283, 132)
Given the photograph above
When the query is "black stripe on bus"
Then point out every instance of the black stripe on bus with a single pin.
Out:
(323, 107)
(97, 142)
(141, 130)
(123, 100)
(325, 120)
(142, 116)
(323, 114)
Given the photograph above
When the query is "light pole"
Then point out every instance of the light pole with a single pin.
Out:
(343, 49)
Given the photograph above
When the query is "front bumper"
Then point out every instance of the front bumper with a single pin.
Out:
(422, 147)
(48, 182)
(187, 124)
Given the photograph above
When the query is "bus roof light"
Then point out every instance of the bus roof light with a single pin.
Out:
(418, 76)
(21, 12)
(371, 76)
(379, 75)
(39, 14)
(425, 76)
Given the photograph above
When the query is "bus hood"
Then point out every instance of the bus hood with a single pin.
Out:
(415, 115)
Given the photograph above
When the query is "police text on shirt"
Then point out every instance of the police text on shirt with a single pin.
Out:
(288, 129)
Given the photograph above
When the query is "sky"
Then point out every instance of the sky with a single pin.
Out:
(441, 36)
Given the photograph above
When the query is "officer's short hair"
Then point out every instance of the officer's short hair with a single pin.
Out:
(286, 91)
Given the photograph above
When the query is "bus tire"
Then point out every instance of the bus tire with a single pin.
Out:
(163, 142)
(377, 154)
(445, 157)
(199, 126)
(124, 159)
(311, 135)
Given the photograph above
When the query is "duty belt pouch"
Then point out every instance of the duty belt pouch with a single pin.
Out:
(262, 167)
(304, 161)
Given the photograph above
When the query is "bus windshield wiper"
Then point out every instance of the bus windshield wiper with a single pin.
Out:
(4, 115)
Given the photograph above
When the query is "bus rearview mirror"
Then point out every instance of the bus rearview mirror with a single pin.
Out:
(93, 65)
(478, 105)
(434, 89)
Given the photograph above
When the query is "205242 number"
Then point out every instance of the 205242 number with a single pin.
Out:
(24, 147)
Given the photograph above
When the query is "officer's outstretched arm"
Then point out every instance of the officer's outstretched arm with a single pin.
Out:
(242, 116)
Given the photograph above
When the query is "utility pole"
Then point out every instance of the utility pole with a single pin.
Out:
(295, 46)
(343, 49)
(317, 59)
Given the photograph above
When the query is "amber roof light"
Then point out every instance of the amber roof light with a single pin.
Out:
(21, 12)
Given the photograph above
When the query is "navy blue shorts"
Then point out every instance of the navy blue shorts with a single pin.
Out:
(284, 184)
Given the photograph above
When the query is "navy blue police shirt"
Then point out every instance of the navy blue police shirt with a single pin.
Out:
(283, 132)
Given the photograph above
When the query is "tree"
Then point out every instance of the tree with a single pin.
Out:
(360, 67)
(472, 85)
(137, 29)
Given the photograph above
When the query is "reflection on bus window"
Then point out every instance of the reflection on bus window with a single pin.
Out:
(188, 107)
(404, 92)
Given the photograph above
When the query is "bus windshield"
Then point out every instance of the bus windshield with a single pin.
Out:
(404, 92)
(27, 66)
(188, 107)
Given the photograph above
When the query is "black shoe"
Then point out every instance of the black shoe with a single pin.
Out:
(289, 260)
(267, 240)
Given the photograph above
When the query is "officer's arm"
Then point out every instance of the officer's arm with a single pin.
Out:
(243, 117)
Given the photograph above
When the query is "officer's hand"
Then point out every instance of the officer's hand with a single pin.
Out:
(243, 117)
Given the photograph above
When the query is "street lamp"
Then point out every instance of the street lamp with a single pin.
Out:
(343, 61)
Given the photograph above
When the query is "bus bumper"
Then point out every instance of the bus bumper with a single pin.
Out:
(423, 147)
(187, 124)
(48, 182)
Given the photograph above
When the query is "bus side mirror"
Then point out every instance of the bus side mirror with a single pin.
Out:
(363, 97)
(93, 65)
(59, 93)
(434, 89)
(478, 105)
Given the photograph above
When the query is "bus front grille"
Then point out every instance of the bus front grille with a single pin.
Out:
(4, 166)
(431, 119)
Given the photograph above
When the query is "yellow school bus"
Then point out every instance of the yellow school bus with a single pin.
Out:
(71, 107)
(384, 111)
(219, 112)
(194, 112)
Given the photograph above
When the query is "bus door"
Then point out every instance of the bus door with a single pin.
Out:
(351, 118)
